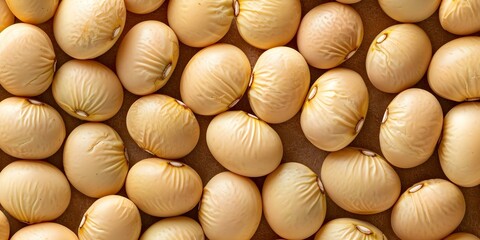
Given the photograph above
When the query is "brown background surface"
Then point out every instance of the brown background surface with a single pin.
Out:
(296, 146)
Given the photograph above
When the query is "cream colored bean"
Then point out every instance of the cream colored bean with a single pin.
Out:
(30, 129)
(266, 24)
(335, 109)
(294, 201)
(454, 72)
(87, 90)
(215, 79)
(27, 58)
(6, 16)
(173, 137)
(458, 151)
(329, 34)
(398, 57)
(231, 207)
(147, 57)
(89, 28)
(95, 160)
(462, 236)
(47, 230)
(34, 12)
(279, 84)
(200, 23)
(460, 17)
(111, 217)
(244, 144)
(349, 228)
(163, 188)
(34, 191)
(143, 6)
(4, 227)
(409, 11)
(410, 128)
(174, 228)
(360, 181)
(428, 210)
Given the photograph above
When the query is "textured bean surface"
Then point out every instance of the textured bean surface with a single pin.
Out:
(296, 146)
